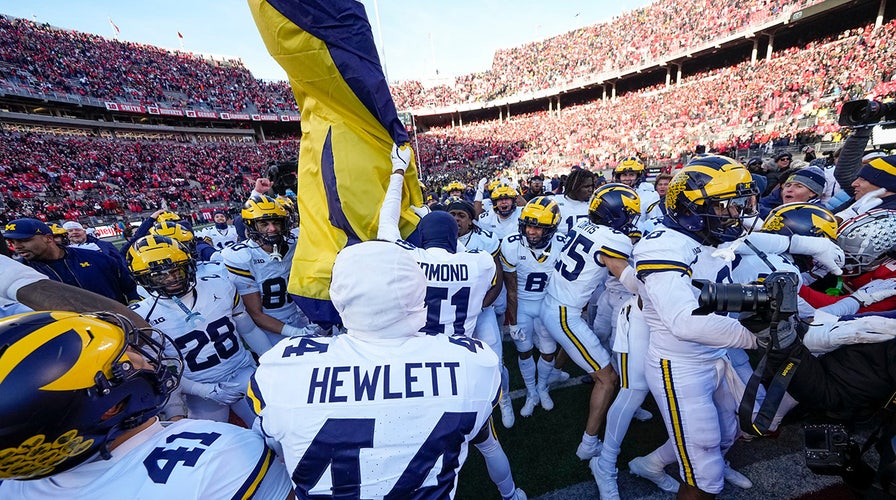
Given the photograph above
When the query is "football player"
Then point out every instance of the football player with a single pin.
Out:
(457, 289)
(206, 320)
(528, 258)
(221, 234)
(592, 252)
(686, 363)
(260, 268)
(385, 411)
(473, 238)
(574, 201)
(631, 172)
(81, 419)
(502, 218)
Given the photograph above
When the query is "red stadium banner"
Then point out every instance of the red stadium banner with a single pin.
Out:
(132, 108)
(170, 112)
(107, 231)
(206, 114)
(240, 116)
(268, 118)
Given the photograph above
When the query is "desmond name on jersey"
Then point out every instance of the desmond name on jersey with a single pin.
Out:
(445, 272)
(353, 383)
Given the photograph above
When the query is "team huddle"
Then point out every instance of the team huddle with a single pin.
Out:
(385, 404)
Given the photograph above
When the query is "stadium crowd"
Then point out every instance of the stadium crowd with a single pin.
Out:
(748, 109)
(44, 59)
(583, 272)
(599, 48)
(52, 176)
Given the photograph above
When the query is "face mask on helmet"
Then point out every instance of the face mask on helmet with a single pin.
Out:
(540, 213)
(80, 381)
(710, 198)
(267, 222)
(504, 192)
(868, 241)
(631, 166)
(617, 206)
(162, 266)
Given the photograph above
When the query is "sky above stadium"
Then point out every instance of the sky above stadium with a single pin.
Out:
(420, 40)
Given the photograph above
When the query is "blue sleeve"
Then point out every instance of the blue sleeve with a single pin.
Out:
(141, 231)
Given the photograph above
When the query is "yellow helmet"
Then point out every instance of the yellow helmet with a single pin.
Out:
(168, 216)
(177, 232)
(454, 186)
(705, 184)
(62, 373)
(806, 219)
(615, 205)
(493, 184)
(541, 212)
(259, 208)
(503, 191)
(162, 266)
(60, 232)
(629, 164)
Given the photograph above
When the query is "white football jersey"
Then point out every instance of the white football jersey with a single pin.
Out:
(533, 267)
(186, 460)
(456, 284)
(571, 212)
(648, 196)
(666, 261)
(578, 271)
(480, 239)
(253, 270)
(377, 418)
(207, 337)
(490, 221)
(220, 239)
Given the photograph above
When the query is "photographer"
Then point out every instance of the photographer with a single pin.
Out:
(855, 381)
(871, 186)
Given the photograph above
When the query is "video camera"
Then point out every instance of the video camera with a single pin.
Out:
(866, 113)
(776, 295)
(283, 176)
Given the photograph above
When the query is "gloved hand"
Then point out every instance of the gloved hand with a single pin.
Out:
(421, 211)
(401, 157)
(823, 251)
(827, 333)
(875, 291)
(781, 336)
(222, 393)
(480, 189)
(862, 205)
(515, 332)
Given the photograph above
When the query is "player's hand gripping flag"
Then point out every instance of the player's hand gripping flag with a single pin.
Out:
(349, 124)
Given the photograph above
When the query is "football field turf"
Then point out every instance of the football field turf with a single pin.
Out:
(542, 448)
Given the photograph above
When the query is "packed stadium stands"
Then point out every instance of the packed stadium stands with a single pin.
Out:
(745, 109)
(53, 176)
(43, 59)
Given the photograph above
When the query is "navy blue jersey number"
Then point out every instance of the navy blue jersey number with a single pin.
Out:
(337, 447)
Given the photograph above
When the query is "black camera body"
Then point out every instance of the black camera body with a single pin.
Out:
(830, 449)
(776, 294)
(866, 113)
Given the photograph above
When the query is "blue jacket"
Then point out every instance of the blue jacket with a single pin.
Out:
(90, 270)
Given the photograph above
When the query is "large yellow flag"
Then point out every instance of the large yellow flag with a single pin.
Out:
(349, 123)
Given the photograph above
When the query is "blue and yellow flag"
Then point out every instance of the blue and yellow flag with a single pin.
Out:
(349, 123)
